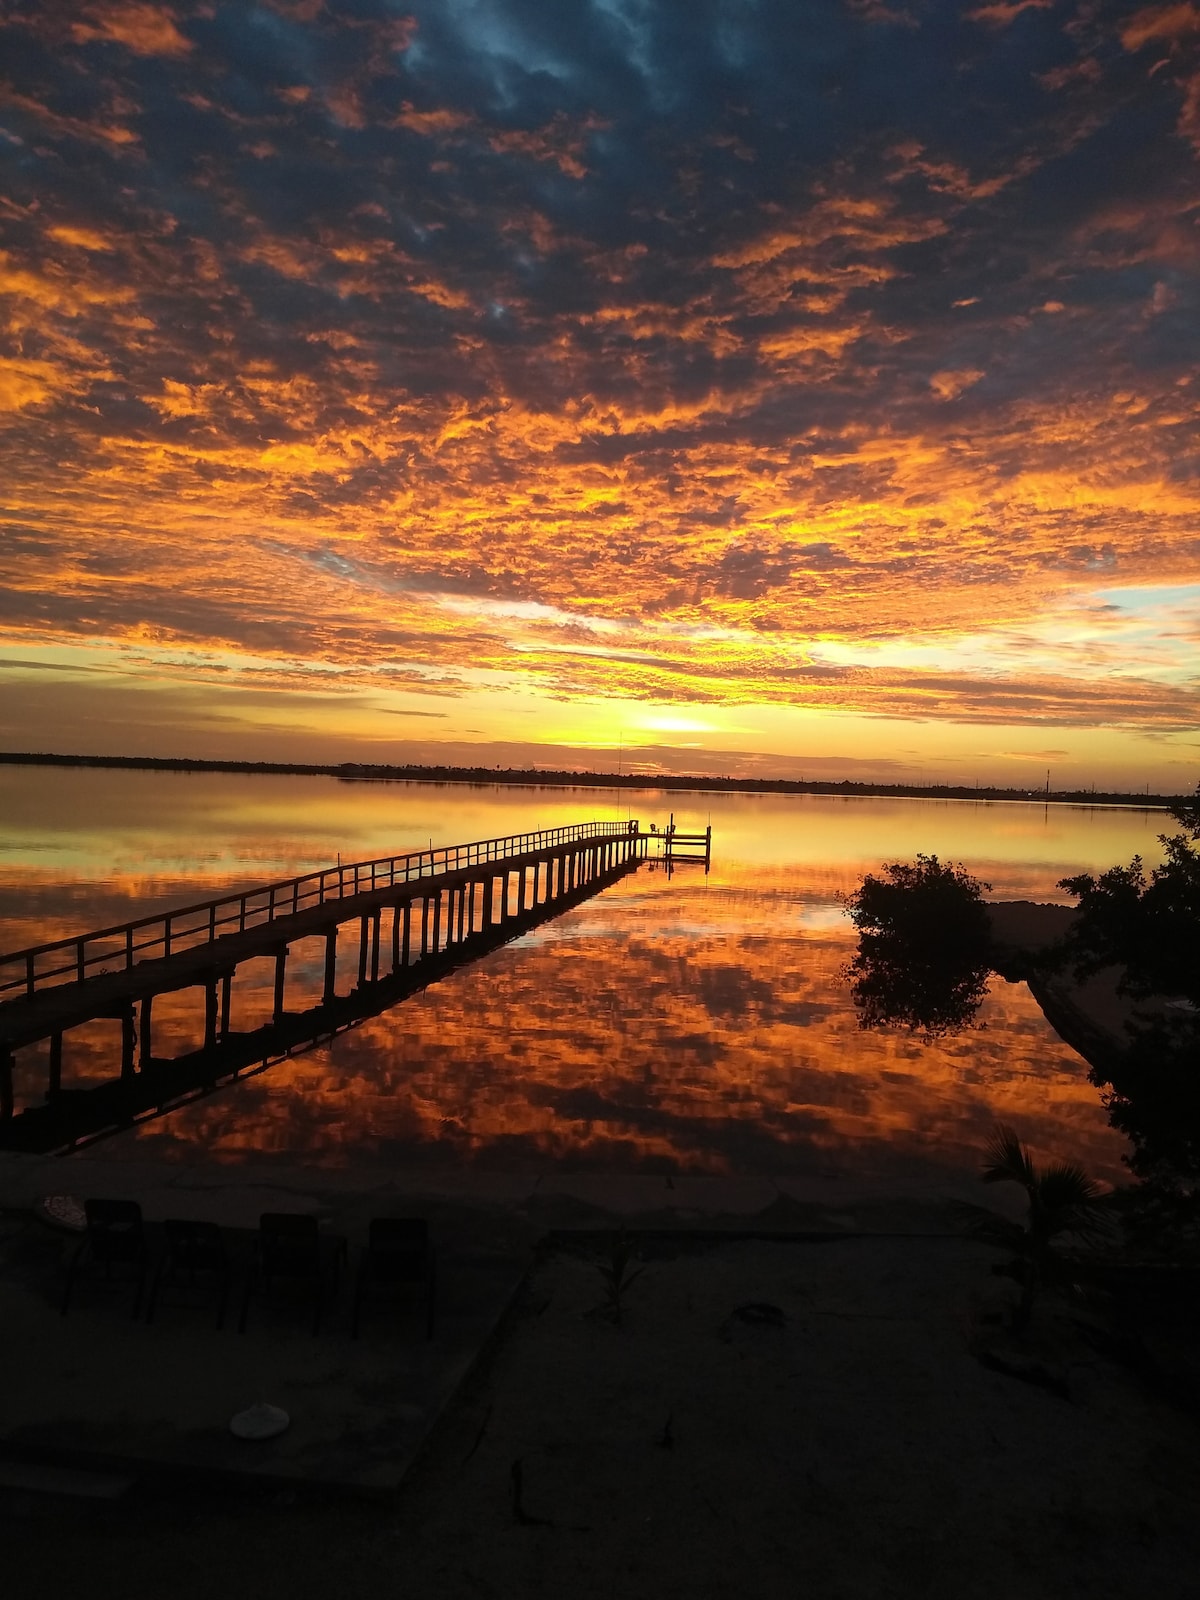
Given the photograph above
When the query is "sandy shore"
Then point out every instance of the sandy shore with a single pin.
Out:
(853, 1445)
(841, 1414)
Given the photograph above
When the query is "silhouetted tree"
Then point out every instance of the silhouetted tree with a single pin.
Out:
(1149, 926)
(924, 947)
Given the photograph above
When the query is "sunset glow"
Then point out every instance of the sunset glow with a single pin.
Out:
(796, 390)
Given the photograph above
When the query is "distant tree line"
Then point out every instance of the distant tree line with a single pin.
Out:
(539, 777)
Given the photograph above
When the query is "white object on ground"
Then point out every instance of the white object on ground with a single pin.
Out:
(259, 1422)
(62, 1211)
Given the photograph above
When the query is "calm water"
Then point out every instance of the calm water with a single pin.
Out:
(687, 1023)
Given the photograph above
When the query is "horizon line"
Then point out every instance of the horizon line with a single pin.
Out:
(564, 777)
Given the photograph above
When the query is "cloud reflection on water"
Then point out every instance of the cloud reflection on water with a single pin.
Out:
(682, 1024)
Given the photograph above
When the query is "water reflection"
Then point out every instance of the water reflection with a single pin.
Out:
(652, 1032)
(924, 947)
(99, 1106)
(683, 1024)
(893, 987)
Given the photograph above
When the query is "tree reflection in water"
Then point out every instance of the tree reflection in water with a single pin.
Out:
(924, 947)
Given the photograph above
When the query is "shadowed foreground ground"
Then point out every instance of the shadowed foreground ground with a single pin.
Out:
(851, 1444)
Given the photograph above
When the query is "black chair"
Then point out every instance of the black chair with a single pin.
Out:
(195, 1251)
(290, 1247)
(114, 1238)
(398, 1253)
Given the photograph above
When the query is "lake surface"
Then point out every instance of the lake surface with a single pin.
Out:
(688, 1022)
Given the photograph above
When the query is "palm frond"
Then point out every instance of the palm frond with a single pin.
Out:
(1007, 1160)
(1065, 1183)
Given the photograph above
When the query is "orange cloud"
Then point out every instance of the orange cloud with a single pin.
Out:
(1000, 13)
(147, 30)
(1169, 22)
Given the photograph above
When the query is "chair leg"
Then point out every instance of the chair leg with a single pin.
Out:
(155, 1286)
(141, 1284)
(356, 1312)
(246, 1302)
(76, 1260)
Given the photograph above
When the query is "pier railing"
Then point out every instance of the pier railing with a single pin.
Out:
(149, 938)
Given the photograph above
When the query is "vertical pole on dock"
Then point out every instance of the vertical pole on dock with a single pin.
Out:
(395, 937)
(462, 911)
(424, 923)
(437, 921)
(708, 847)
(6, 1085)
(210, 1014)
(128, 1036)
(145, 1034)
(226, 999)
(364, 923)
(330, 990)
(407, 933)
(280, 969)
(375, 921)
(54, 1086)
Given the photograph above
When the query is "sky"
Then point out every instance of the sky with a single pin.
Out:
(780, 388)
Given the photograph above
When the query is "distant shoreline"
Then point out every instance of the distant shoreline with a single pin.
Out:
(533, 777)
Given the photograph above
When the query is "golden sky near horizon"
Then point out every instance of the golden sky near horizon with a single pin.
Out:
(778, 387)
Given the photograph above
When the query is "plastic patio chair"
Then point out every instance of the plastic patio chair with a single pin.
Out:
(114, 1237)
(193, 1250)
(397, 1254)
(290, 1247)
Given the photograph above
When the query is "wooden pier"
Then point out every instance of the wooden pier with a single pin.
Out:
(672, 846)
(437, 903)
